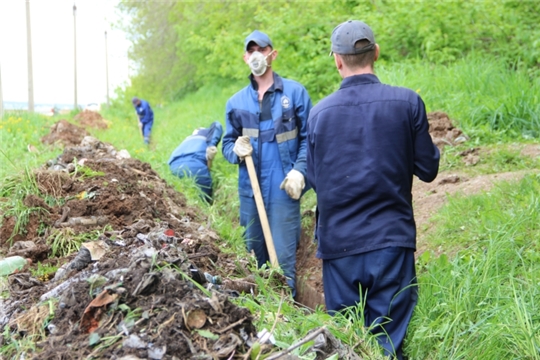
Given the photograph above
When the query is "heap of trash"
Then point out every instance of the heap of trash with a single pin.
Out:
(140, 274)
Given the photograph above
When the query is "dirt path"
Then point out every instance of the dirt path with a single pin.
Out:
(429, 198)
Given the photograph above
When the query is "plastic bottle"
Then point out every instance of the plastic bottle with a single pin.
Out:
(11, 264)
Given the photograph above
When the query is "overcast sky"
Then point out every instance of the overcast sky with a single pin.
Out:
(53, 50)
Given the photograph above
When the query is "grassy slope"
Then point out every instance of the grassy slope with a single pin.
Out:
(483, 302)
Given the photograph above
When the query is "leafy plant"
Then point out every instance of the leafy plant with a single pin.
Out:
(43, 272)
(64, 242)
(84, 172)
(16, 189)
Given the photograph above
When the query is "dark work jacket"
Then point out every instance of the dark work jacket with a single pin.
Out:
(365, 143)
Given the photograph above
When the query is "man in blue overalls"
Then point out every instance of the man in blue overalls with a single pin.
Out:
(146, 117)
(267, 119)
(193, 157)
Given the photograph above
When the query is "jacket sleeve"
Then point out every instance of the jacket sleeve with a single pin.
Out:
(232, 132)
(302, 114)
(426, 154)
(214, 134)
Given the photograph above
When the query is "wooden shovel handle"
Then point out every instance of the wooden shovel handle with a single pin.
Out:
(262, 211)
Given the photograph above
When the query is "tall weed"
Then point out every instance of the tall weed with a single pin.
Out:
(483, 301)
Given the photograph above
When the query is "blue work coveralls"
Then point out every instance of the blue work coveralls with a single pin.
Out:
(146, 118)
(189, 158)
(277, 130)
(365, 143)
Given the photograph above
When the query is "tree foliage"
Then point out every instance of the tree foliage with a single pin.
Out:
(181, 46)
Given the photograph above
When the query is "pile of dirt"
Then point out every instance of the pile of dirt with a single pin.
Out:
(442, 131)
(91, 119)
(65, 133)
(150, 283)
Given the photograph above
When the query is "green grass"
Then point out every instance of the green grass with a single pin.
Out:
(488, 100)
(43, 271)
(19, 130)
(492, 159)
(64, 242)
(14, 191)
(482, 301)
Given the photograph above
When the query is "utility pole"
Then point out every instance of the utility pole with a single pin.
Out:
(29, 54)
(107, 69)
(75, 104)
(1, 98)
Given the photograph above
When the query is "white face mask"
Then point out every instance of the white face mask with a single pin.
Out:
(257, 63)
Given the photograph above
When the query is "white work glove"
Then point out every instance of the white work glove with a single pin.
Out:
(293, 184)
(211, 152)
(242, 147)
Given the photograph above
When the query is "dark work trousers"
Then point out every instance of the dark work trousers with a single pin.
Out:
(387, 280)
(146, 130)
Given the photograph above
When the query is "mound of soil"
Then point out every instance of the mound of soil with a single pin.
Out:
(442, 130)
(149, 283)
(91, 119)
(65, 133)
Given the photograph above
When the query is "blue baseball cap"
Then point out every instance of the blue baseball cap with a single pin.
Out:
(345, 36)
(258, 38)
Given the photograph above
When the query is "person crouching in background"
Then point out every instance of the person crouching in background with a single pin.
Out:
(193, 157)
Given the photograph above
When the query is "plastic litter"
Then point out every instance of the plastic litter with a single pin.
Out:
(12, 264)
(213, 279)
(156, 352)
(134, 342)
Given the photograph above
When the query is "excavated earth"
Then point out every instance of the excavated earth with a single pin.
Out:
(150, 281)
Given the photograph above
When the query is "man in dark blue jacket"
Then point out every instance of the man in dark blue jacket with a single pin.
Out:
(365, 143)
(146, 117)
(268, 119)
(194, 156)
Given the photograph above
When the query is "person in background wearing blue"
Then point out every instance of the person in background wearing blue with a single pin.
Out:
(365, 143)
(267, 119)
(146, 117)
(194, 156)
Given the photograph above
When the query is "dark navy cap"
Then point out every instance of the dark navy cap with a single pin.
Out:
(258, 38)
(345, 36)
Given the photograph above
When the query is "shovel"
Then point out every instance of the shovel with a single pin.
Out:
(262, 211)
